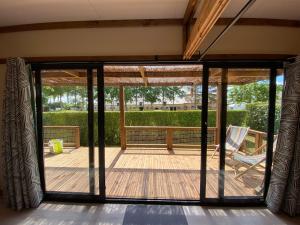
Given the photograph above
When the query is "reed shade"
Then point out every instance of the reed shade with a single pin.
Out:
(170, 75)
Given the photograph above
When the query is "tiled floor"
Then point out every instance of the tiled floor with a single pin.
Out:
(120, 214)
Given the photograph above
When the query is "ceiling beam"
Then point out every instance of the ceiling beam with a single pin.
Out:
(190, 11)
(91, 24)
(144, 23)
(210, 12)
(151, 58)
(187, 20)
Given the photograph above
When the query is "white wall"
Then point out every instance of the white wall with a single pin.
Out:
(256, 40)
(162, 40)
(93, 42)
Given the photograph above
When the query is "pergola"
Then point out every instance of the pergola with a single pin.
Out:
(162, 75)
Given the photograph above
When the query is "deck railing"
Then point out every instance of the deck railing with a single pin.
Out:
(69, 134)
(167, 136)
(179, 137)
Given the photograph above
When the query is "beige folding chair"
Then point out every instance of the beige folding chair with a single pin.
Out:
(250, 161)
(235, 136)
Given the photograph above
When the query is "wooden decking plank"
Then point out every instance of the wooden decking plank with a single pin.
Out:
(146, 173)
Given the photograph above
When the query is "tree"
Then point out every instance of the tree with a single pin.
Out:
(136, 94)
(111, 94)
(129, 94)
(47, 94)
(172, 93)
(251, 93)
(152, 94)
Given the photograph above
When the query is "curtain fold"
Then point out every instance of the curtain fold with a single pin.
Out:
(22, 187)
(284, 189)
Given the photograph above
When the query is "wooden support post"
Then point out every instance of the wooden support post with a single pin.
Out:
(77, 137)
(218, 112)
(258, 141)
(122, 118)
(215, 136)
(169, 139)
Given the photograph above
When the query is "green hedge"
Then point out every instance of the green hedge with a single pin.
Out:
(257, 117)
(144, 118)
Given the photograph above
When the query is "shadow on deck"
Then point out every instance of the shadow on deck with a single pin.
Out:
(146, 173)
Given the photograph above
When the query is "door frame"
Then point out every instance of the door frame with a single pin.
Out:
(222, 200)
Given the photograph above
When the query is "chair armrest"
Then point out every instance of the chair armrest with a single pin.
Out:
(258, 149)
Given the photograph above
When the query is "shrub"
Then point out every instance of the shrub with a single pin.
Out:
(257, 117)
(144, 118)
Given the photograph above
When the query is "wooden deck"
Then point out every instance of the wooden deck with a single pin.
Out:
(145, 173)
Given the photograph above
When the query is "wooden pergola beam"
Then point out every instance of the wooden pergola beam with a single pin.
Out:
(210, 12)
(72, 73)
(159, 74)
(143, 75)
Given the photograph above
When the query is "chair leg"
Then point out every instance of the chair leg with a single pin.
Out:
(249, 168)
(214, 153)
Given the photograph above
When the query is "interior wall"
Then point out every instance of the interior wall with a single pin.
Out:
(158, 40)
(255, 40)
(93, 42)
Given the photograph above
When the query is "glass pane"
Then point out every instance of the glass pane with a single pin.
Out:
(162, 133)
(279, 90)
(65, 130)
(247, 123)
(212, 167)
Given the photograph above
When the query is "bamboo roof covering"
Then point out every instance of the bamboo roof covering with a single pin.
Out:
(170, 75)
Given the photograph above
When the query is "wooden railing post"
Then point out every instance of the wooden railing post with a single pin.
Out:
(218, 113)
(216, 136)
(77, 137)
(122, 118)
(258, 140)
(169, 138)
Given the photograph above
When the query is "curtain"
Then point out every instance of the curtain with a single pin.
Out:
(284, 189)
(22, 187)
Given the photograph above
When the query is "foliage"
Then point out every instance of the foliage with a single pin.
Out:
(257, 92)
(145, 118)
(249, 93)
(75, 97)
(151, 94)
(111, 94)
(171, 93)
(257, 117)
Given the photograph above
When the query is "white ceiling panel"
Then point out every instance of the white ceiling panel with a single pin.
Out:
(139, 9)
(15, 12)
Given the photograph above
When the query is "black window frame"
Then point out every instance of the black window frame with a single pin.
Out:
(272, 65)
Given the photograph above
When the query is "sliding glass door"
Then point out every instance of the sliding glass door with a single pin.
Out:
(70, 131)
(200, 132)
(239, 157)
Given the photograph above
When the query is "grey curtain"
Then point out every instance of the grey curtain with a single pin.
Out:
(22, 187)
(284, 189)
